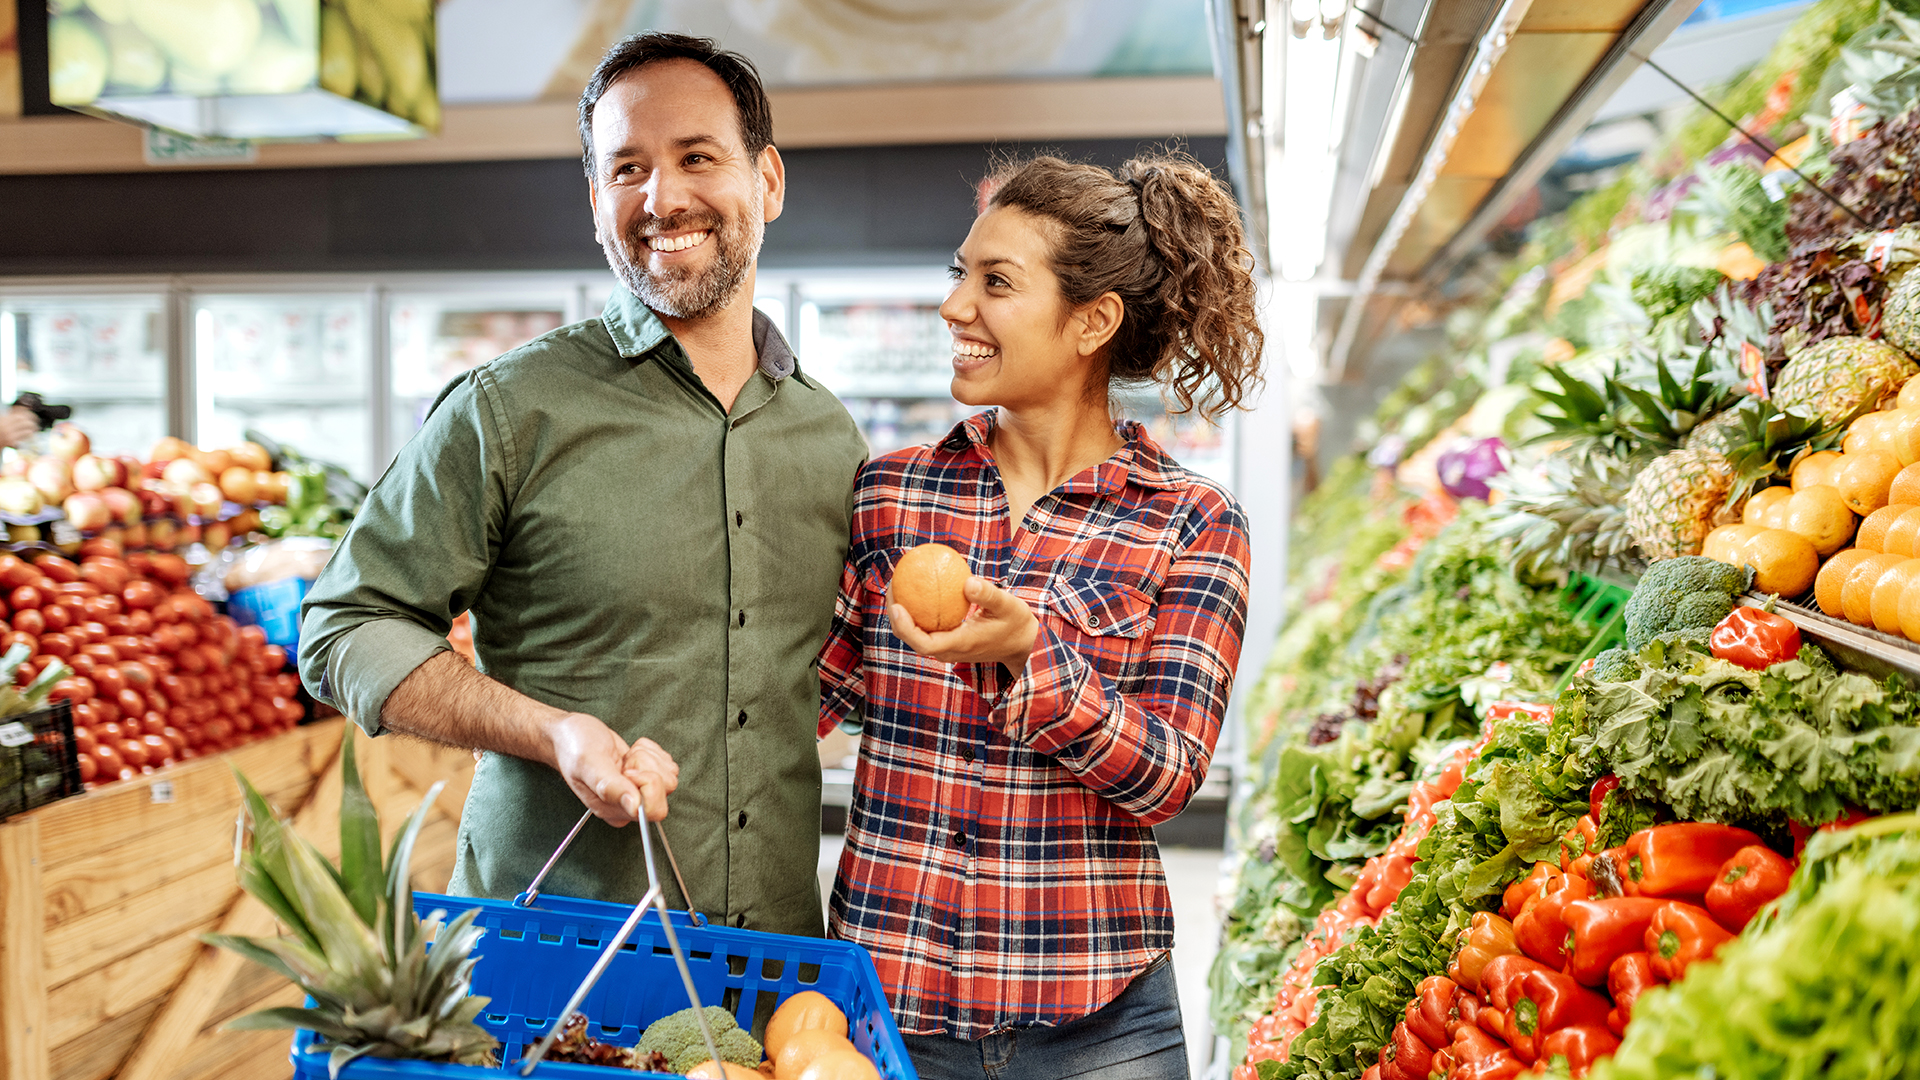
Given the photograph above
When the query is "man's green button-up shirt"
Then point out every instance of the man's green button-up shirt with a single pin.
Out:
(631, 550)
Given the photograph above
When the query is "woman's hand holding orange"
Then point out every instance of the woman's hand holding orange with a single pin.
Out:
(999, 629)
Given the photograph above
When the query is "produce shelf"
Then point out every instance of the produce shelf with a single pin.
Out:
(1866, 650)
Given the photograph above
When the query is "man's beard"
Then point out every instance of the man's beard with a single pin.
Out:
(683, 292)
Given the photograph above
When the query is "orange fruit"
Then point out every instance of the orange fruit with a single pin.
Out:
(1873, 531)
(930, 582)
(807, 1010)
(846, 1064)
(1832, 579)
(1888, 436)
(1815, 468)
(1783, 562)
(1724, 542)
(1864, 479)
(802, 1047)
(1910, 394)
(1763, 500)
(1884, 605)
(1906, 486)
(1855, 442)
(1821, 515)
(1910, 611)
(1856, 596)
(1902, 534)
(1906, 437)
(726, 1070)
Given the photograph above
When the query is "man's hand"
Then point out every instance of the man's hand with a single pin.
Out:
(654, 772)
(593, 759)
(1000, 628)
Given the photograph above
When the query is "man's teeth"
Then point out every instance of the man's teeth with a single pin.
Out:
(675, 243)
(973, 348)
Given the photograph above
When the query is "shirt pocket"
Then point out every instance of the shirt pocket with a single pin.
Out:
(874, 572)
(1108, 621)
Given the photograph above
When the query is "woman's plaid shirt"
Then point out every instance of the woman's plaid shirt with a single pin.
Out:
(1000, 863)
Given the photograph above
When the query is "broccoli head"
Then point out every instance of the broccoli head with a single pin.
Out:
(1614, 665)
(676, 1036)
(1691, 592)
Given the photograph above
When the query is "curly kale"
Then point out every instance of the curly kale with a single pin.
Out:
(677, 1037)
(1688, 593)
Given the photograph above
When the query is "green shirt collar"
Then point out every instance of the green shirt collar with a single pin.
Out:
(637, 331)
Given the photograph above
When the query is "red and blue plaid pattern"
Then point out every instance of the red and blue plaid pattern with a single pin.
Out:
(1000, 863)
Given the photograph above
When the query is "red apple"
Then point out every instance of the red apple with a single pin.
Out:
(124, 505)
(182, 473)
(87, 511)
(17, 496)
(68, 442)
(93, 472)
(52, 476)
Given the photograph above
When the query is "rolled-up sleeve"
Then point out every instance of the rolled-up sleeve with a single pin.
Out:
(414, 558)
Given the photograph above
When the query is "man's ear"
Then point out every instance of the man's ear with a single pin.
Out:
(593, 204)
(773, 180)
(1099, 321)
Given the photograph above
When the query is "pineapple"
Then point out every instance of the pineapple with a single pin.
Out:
(1565, 515)
(1900, 317)
(355, 946)
(1838, 379)
(1672, 504)
(1718, 433)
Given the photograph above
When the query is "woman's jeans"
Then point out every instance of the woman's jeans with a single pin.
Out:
(1137, 1036)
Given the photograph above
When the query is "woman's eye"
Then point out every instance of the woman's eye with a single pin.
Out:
(995, 281)
(955, 273)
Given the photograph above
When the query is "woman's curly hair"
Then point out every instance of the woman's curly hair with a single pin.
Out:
(1164, 235)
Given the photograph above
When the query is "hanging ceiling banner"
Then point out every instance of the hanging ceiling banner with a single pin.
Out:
(256, 70)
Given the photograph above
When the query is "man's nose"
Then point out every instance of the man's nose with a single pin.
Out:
(666, 194)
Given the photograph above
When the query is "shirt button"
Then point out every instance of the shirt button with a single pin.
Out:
(743, 819)
(959, 839)
(743, 718)
(966, 752)
(739, 518)
(1093, 620)
(743, 618)
(739, 920)
(953, 444)
(1033, 526)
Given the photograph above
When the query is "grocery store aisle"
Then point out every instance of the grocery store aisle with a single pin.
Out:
(1193, 875)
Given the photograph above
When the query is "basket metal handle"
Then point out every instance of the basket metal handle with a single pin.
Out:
(656, 897)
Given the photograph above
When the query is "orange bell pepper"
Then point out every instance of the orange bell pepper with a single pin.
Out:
(1752, 879)
(1599, 931)
(1682, 860)
(1680, 934)
(1488, 935)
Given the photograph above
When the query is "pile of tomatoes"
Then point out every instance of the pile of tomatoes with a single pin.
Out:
(158, 677)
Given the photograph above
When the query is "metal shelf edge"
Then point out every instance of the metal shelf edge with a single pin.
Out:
(1864, 650)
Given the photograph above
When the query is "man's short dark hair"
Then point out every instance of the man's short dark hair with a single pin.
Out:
(749, 97)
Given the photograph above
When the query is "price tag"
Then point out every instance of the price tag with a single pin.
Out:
(162, 791)
(15, 734)
(64, 534)
(166, 148)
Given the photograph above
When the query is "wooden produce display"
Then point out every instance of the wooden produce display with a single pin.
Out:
(103, 896)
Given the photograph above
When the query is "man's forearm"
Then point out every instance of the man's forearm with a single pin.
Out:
(445, 700)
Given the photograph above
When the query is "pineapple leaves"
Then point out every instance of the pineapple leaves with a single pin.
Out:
(402, 927)
(360, 869)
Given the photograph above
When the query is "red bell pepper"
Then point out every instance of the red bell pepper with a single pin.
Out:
(1405, 1057)
(1599, 931)
(1372, 1073)
(1679, 935)
(1472, 1043)
(1395, 872)
(1503, 710)
(1581, 1045)
(1488, 935)
(1579, 846)
(1848, 818)
(1755, 639)
(1597, 799)
(1628, 977)
(1682, 860)
(1495, 1022)
(1466, 1011)
(1545, 875)
(1432, 1006)
(1752, 879)
(1498, 978)
(1500, 1066)
(1541, 929)
(1546, 1001)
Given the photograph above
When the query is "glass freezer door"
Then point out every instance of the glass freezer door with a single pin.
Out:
(103, 355)
(295, 367)
(437, 336)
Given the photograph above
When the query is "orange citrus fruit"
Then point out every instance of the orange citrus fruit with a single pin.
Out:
(1910, 394)
(1902, 534)
(1906, 486)
(804, 1011)
(1856, 596)
(1873, 530)
(1910, 611)
(802, 1047)
(930, 581)
(1783, 562)
(1761, 501)
(1864, 479)
(846, 1064)
(1815, 468)
(1832, 579)
(1884, 605)
(1724, 542)
(1888, 435)
(1821, 515)
(1905, 443)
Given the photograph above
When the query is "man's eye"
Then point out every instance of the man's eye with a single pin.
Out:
(698, 159)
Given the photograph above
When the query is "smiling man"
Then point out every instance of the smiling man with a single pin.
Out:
(647, 514)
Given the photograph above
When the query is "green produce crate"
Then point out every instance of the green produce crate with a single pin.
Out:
(38, 760)
(1602, 605)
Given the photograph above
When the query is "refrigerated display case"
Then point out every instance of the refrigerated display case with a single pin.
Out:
(295, 367)
(102, 354)
(436, 334)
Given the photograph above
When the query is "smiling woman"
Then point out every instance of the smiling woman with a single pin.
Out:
(1000, 862)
